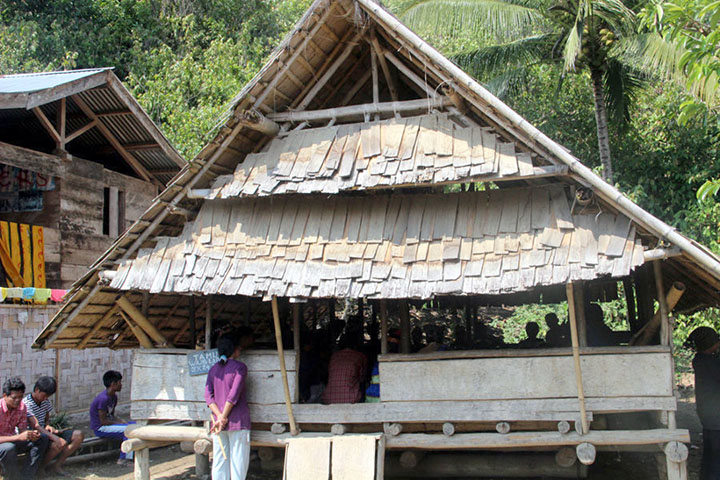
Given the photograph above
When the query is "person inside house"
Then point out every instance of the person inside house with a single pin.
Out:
(417, 338)
(435, 335)
(556, 335)
(62, 443)
(347, 373)
(16, 438)
(706, 365)
(598, 333)
(532, 330)
(103, 421)
(226, 396)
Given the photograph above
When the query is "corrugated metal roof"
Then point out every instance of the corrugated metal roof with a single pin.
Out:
(119, 117)
(33, 82)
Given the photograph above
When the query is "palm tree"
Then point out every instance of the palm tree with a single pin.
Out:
(511, 36)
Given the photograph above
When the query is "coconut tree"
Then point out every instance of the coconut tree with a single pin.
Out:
(511, 36)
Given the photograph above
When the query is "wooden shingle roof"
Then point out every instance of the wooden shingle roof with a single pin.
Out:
(424, 150)
(386, 246)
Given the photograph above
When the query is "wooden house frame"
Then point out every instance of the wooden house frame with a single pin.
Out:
(326, 181)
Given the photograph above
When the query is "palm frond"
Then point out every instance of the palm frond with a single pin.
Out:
(653, 55)
(496, 59)
(571, 50)
(619, 18)
(510, 82)
(621, 84)
(482, 19)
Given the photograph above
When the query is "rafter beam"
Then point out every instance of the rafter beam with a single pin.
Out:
(337, 62)
(407, 71)
(47, 124)
(127, 156)
(80, 131)
(342, 82)
(276, 78)
(380, 51)
(144, 119)
(408, 106)
(356, 88)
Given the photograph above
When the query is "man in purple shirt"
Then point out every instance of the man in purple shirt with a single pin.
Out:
(225, 395)
(102, 414)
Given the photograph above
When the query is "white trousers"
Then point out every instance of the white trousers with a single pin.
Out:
(237, 448)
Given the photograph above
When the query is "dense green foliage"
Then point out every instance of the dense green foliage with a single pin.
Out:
(183, 60)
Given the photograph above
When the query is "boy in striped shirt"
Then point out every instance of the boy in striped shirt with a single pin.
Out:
(62, 444)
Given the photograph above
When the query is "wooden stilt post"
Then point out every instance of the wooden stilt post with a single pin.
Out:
(208, 322)
(576, 354)
(281, 354)
(297, 314)
(665, 329)
(404, 327)
(142, 464)
(579, 302)
(191, 322)
(383, 327)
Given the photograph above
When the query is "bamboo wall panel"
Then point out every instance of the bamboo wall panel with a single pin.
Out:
(385, 246)
(404, 151)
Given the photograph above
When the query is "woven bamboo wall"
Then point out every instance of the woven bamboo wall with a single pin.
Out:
(80, 370)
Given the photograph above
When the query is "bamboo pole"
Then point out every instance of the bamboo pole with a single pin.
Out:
(255, 120)
(208, 322)
(576, 355)
(191, 322)
(404, 327)
(375, 79)
(98, 325)
(142, 337)
(142, 321)
(384, 66)
(358, 111)
(281, 354)
(579, 302)
(297, 313)
(383, 327)
(672, 297)
(665, 329)
(317, 88)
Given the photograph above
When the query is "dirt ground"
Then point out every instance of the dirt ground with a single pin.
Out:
(171, 464)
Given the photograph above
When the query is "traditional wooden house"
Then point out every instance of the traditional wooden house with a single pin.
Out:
(80, 161)
(344, 156)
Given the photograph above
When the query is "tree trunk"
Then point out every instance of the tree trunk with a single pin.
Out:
(602, 124)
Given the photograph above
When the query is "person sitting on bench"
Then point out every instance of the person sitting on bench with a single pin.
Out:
(102, 414)
(63, 443)
(15, 437)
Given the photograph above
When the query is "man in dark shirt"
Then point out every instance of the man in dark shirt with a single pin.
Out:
(707, 396)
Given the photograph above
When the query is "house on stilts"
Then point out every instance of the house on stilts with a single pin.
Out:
(360, 168)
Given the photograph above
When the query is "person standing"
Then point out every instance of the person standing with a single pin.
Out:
(706, 365)
(15, 437)
(61, 443)
(226, 396)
